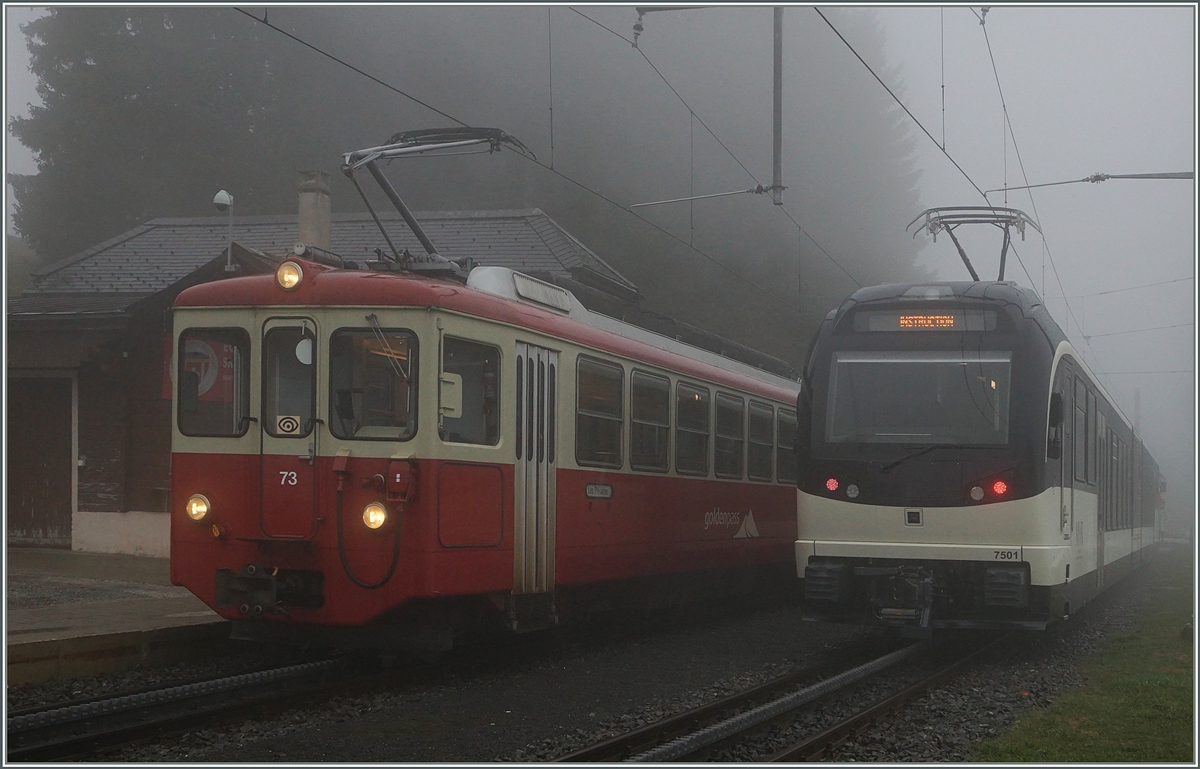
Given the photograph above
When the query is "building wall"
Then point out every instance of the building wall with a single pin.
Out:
(102, 437)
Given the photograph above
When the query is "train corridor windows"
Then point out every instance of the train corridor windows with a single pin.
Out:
(691, 429)
(785, 450)
(213, 378)
(650, 421)
(373, 384)
(1091, 437)
(1079, 430)
(729, 447)
(761, 447)
(599, 415)
(477, 365)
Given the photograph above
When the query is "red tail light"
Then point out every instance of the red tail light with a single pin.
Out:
(832, 484)
(1000, 488)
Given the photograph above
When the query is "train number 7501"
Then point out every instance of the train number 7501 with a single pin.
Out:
(1007, 555)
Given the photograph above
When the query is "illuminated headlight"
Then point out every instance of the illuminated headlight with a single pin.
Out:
(374, 515)
(289, 275)
(976, 493)
(197, 507)
(852, 491)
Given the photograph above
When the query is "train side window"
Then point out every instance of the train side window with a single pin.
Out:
(729, 449)
(372, 384)
(1101, 469)
(761, 448)
(479, 420)
(785, 450)
(649, 422)
(691, 429)
(1091, 437)
(213, 380)
(1080, 430)
(599, 415)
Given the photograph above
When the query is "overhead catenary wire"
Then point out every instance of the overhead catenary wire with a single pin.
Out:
(556, 172)
(1131, 331)
(725, 147)
(921, 126)
(1132, 288)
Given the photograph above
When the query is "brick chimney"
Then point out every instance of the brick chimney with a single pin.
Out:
(315, 210)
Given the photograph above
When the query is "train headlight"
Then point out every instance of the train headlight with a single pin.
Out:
(976, 493)
(852, 491)
(289, 275)
(374, 515)
(197, 507)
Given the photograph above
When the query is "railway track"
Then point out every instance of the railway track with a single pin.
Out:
(694, 734)
(75, 729)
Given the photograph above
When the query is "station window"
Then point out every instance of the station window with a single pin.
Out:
(650, 422)
(691, 429)
(1080, 430)
(373, 384)
(599, 415)
(214, 382)
(729, 448)
(785, 450)
(761, 448)
(475, 366)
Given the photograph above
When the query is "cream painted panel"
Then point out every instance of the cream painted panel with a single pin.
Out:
(1025, 521)
(1117, 545)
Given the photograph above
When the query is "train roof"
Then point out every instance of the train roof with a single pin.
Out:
(494, 293)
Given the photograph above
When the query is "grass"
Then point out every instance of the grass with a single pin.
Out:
(1138, 704)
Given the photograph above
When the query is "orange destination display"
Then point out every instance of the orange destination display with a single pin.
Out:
(928, 320)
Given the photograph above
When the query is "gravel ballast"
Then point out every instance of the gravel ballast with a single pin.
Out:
(535, 697)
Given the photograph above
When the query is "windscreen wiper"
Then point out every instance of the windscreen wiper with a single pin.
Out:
(888, 467)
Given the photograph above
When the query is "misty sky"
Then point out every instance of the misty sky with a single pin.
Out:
(1088, 90)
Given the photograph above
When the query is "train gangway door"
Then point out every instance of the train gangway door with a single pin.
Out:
(534, 481)
(288, 424)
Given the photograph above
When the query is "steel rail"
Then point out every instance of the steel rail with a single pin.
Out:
(822, 745)
(67, 730)
(644, 738)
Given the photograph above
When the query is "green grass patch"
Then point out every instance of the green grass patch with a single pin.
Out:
(1137, 705)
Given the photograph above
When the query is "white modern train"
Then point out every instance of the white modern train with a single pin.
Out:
(960, 466)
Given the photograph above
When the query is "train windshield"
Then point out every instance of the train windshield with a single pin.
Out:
(952, 397)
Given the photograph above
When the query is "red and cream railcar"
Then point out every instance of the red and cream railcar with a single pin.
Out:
(351, 444)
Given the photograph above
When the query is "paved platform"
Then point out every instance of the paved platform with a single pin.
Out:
(76, 613)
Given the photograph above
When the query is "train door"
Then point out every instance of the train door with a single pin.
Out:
(534, 511)
(288, 427)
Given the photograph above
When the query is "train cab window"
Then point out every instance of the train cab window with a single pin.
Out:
(691, 429)
(289, 381)
(373, 384)
(599, 415)
(649, 421)
(214, 382)
(1079, 430)
(761, 448)
(785, 450)
(729, 448)
(475, 365)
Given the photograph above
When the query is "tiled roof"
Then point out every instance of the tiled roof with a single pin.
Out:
(73, 304)
(155, 255)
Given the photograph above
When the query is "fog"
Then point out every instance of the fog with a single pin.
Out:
(1087, 90)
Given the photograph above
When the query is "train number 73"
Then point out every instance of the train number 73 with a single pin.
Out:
(288, 478)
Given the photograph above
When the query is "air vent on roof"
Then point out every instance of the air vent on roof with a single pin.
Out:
(543, 293)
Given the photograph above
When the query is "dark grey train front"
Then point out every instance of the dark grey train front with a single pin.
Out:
(959, 464)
